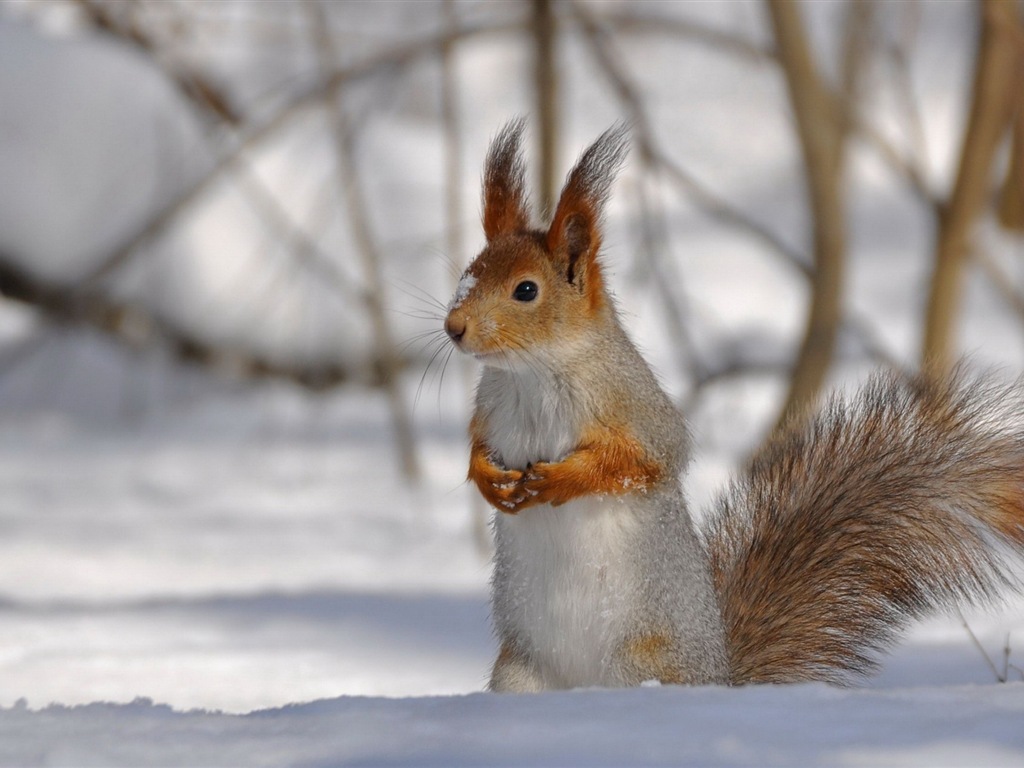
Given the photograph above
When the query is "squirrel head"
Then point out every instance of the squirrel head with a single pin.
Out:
(530, 290)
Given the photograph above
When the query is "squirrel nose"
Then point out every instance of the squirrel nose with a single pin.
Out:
(455, 327)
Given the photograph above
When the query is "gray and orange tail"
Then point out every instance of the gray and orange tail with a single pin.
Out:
(906, 500)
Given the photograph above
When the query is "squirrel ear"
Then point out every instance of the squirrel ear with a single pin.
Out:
(575, 231)
(505, 203)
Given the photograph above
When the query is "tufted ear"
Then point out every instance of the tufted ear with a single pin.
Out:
(574, 237)
(505, 202)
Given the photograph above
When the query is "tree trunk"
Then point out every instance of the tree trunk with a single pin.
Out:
(995, 89)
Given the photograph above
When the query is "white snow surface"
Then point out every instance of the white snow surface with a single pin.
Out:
(800, 725)
(206, 574)
(243, 553)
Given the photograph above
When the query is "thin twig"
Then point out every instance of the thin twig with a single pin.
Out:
(655, 242)
(648, 24)
(302, 245)
(132, 325)
(981, 649)
(708, 202)
(349, 180)
(732, 368)
(479, 512)
(197, 88)
(899, 60)
(255, 131)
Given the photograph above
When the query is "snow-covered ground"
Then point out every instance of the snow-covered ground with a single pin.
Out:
(244, 553)
(205, 573)
(805, 725)
(250, 552)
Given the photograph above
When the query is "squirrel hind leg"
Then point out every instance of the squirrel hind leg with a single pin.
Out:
(649, 656)
(513, 672)
(659, 655)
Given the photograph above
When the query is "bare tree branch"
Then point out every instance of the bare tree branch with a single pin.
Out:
(652, 155)
(479, 510)
(819, 130)
(545, 78)
(1011, 196)
(252, 132)
(359, 223)
(134, 325)
(649, 24)
(999, 279)
(654, 238)
(995, 91)
(196, 87)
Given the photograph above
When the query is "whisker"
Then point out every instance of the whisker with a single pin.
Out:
(418, 293)
(422, 339)
(426, 370)
(454, 269)
(420, 314)
(440, 385)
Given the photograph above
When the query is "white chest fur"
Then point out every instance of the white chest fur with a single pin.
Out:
(567, 586)
(531, 416)
(563, 582)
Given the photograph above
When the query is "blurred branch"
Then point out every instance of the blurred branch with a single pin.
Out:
(995, 93)
(254, 131)
(655, 161)
(86, 302)
(545, 77)
(648, 24)
(712, 205)
(303, 247)
(898, 56)
(452, 145)
(1000, 280)
(821, 136)
(135, 325)
(197, 88)
(450, 124)
(1011, 196)
(737, 366)
(351, 186)
(655, 241)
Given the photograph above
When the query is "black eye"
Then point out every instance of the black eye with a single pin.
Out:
(525, 291)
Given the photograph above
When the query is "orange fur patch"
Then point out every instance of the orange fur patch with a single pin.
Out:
(606, 463)
(652, 657)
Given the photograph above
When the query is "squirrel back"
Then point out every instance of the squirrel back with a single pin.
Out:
(905, 499)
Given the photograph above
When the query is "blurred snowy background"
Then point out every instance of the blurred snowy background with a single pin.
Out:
(231, 453)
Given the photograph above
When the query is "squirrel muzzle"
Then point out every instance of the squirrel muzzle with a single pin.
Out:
(455, 326)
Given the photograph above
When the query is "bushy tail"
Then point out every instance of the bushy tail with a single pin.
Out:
(907, 499)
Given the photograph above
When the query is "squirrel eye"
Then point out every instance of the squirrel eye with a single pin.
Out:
(525, 291)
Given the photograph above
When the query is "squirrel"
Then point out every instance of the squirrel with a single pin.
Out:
(903, 499)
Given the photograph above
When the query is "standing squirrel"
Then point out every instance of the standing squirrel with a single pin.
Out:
(903, 500)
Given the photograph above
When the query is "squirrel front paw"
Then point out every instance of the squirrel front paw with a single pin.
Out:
(506, 491)
(511, 490)
(539, 486)
(501, 488)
